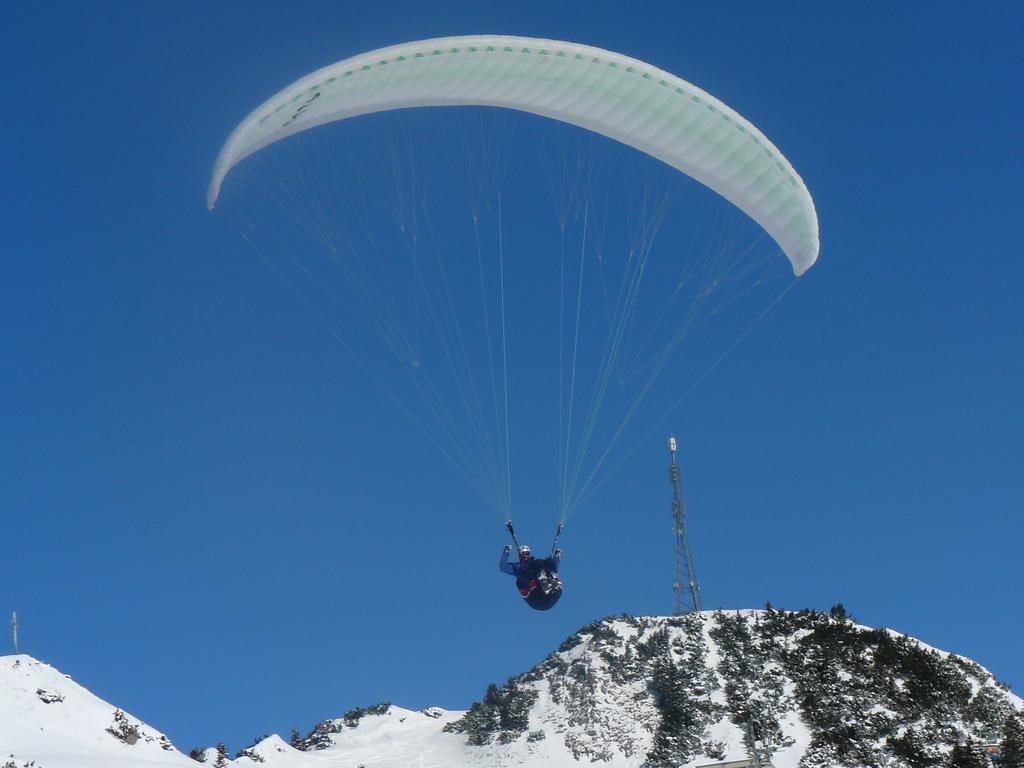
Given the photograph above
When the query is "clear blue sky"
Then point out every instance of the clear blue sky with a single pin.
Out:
(210, 519)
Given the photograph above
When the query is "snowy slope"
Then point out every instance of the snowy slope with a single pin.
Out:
(620, 693)
(399, 737)
(48, 718)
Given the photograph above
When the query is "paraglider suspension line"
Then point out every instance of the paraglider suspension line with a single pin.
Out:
(554, 544)
(512, 533)
(558, 533)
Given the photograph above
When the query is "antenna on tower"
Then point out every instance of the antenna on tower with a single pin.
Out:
(14, 626)
(688, 601)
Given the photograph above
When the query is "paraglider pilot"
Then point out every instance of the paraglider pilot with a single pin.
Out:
(536, 578)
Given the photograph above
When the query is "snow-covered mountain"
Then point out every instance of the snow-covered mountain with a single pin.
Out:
(47, 718)
(801, 689)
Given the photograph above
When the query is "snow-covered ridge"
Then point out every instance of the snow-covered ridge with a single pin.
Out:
(46, 717)
(814, 689)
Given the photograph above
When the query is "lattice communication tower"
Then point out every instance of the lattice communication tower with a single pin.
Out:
(685, 589)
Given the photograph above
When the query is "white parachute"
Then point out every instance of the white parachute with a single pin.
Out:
(393, 231)
(614, 95)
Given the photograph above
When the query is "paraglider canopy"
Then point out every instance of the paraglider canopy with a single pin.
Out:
(357, 236)
(614, 95)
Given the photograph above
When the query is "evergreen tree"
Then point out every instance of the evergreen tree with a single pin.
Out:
(1012, 745)
(123, 730)
(297, 741)
(222, 756)
(968, 755)
(250, 751)
(505, 709)
(989, 709)
(911, 749)
(482, 720)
